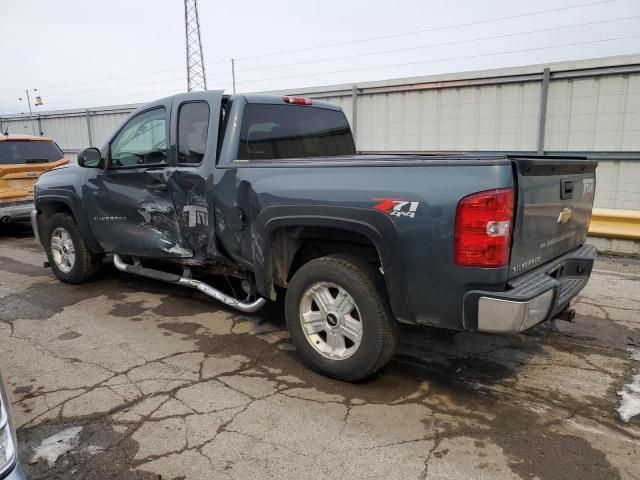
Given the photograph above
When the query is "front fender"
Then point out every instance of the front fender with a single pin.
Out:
(72, 202)
(379, 228)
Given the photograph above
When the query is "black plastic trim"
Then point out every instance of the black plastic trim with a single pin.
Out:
(554, 166)
(376, 226)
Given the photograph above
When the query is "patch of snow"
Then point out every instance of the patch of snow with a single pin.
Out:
(54, 447)
(94, 450)
(477, 386)
(630, 399)
(635, 353)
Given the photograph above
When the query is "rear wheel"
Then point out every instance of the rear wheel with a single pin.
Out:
(67, 252)
(338, 317)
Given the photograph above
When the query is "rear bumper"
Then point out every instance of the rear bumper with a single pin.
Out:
(533, 297)
(15, 211)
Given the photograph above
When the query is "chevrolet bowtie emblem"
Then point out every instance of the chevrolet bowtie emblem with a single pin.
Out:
(565, 215)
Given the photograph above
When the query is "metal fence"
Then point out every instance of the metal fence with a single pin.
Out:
(589, 107)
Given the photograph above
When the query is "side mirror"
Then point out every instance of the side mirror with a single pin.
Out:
(90, 158)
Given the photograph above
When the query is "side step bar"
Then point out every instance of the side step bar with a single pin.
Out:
(188, 282)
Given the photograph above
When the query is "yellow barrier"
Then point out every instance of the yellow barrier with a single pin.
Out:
(614, 223)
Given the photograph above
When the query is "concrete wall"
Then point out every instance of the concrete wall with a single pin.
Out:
(594, 114)
(470, 118)
(618, 184)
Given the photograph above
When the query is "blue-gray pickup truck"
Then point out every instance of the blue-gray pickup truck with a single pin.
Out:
(271, 191)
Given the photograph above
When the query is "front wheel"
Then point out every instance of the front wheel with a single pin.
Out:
(339, 319)
(67, 252)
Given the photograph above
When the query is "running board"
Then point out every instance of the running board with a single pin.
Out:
(189, 282)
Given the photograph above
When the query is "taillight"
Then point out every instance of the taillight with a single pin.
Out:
(297, 100)
(483, 229)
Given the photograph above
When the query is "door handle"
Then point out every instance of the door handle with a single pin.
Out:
(566, 189)
(158, 186)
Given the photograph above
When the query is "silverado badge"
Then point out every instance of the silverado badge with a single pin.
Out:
(565, 215)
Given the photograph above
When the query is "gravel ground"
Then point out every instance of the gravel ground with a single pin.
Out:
(127, 378)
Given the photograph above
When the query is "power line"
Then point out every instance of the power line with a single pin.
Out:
(379, 52)
(350, 42)
(131, 85)
(465, 57)
(442, 44)
(432, 29)
(433, 60)
(63, 94)
(100, 99)
(214, 74)
(104, 80)
(110, 79)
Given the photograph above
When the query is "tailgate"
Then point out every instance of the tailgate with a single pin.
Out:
(554, 201)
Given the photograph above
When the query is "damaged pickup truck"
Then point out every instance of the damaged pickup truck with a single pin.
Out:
(270, 190)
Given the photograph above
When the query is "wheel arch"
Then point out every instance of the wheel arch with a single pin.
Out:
(275, 250)
(49, 205)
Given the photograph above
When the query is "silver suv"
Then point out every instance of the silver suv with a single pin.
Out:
(9, 466)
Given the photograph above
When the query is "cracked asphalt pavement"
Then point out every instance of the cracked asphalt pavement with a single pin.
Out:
(158, 382)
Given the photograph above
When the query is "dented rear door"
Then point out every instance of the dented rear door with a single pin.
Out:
(194, 138)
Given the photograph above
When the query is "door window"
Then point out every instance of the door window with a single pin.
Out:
(143, 141)
(193, 125)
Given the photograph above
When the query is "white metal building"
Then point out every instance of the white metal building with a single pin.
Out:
(589, 107)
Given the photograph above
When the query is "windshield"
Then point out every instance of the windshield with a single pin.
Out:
(24, 151)
(285, 131)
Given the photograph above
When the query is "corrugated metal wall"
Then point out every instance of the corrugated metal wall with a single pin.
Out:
(594, 114)
(592, 108)
(471, 118)
(73, 130)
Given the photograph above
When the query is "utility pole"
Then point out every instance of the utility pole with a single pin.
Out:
(33, 126)
(196, 78)
(233, 74)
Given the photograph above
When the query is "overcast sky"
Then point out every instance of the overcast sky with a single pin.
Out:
(85, 53)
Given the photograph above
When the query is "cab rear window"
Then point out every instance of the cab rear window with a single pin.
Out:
(287, 131)
(20, 151)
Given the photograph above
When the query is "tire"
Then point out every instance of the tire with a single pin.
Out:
(80, 265)
(355, 357)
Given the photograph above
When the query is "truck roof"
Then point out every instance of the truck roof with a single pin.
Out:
(249, 97)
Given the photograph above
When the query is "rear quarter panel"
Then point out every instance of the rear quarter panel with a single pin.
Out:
(424, 249)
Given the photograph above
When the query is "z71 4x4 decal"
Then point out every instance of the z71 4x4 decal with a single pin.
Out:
(397, 207)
